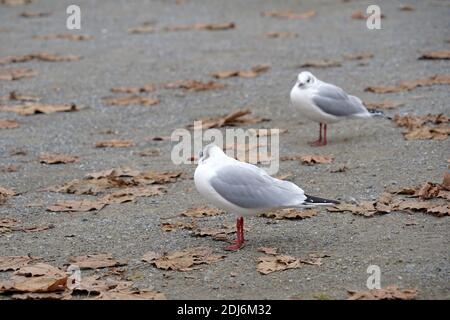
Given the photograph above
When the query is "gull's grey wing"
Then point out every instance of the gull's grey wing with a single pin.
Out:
(333, 100)
(250, 187)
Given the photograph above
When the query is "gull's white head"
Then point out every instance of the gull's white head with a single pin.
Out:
(305, 80)
(208, 152)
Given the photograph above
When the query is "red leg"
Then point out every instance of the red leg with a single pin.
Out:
(239, 234)
(325, 134)
(317, 142)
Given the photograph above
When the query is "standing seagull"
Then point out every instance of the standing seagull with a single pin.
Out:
(325, 103)
(245, 189)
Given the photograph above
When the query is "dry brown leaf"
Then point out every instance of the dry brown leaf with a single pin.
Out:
(406, 7)
(290, 214)
(388, 293)
(202, 26)
(289, 14)
(114, 143)
(151, 256)
(238, 117)
(315, 159)
(96, 261)
(339, 168)
(64, 36)
(439, 210)
(358, 56)
(130, 99)
(13, 3)
(194, 85)
(8, 124)
(281, 34)
(411, 84)
(76, 206)
(272, 263)
(16, 73)
(31, 108)
(42, 56)
(269, 251)
(253, 72)
(130, 194)
(52, 158)
(150, 152)
(9, 168)
(365, 208)
(384, 105)
(323, 63)
(220, 234)
(360, 15)
(146, 27)
(436, 55)
(39, 269)
(132, 294)
(12, 263)
(40, 284)
(145, 88)
(34, 14)
(186, 259)
(174, 225)
(40, 296)
(15, 96)
(200, 212)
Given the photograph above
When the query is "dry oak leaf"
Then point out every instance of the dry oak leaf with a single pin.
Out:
(290, 214)
(324, 63)
(114, 143)
(42, 56)
(95, 261)
(194, 85)
(40, 284)
(8, 263)
(309, 159)
(439, 210)
(39, 269)
(411, 84)
(8, 124)
(364, 208)
(16, 73)
(234, 118)
(358, 56)
(76, 206)
(281, 34)
(289, 14)
(7, 191)
(200, 212)
(64, 36)
(31, 108)
(220, 234)
(130, 99)
(253, 72)
(280, 262)
(186, 259)
(130, 194)
(268, 250)
(388, 293)
(51, 158)
(427, 133)
(406, 7)
(172, 226)
(436, 55)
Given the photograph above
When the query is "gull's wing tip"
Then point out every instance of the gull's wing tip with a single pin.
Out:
(319, 201)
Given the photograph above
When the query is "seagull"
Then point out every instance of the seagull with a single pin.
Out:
(245, 189)
(326, 103)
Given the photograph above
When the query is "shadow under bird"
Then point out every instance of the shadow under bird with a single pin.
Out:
(326, 103)
(245, 189)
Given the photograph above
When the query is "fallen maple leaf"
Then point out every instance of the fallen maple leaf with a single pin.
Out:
(411, 84)
(290, 214)
(31, 108)
(171, 226)
(186, 259)
(34, 14)
(200, 212)
(51, 158)
(8, 124)
(388, 293)
(253, 72)
(289, 14)
(115, 143)
(219, 234)
(324, 63)
(96, 261)
(131, 99)
(436, 55)
(16, 73)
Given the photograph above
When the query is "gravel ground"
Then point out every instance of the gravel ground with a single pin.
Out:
(374, 151)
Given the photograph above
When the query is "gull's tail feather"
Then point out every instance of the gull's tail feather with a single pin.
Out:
(378, 113)
(316, 201)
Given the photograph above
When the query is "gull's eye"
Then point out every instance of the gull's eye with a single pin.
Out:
(309, 80)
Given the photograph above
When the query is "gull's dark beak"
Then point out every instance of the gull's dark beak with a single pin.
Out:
(200, 155)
